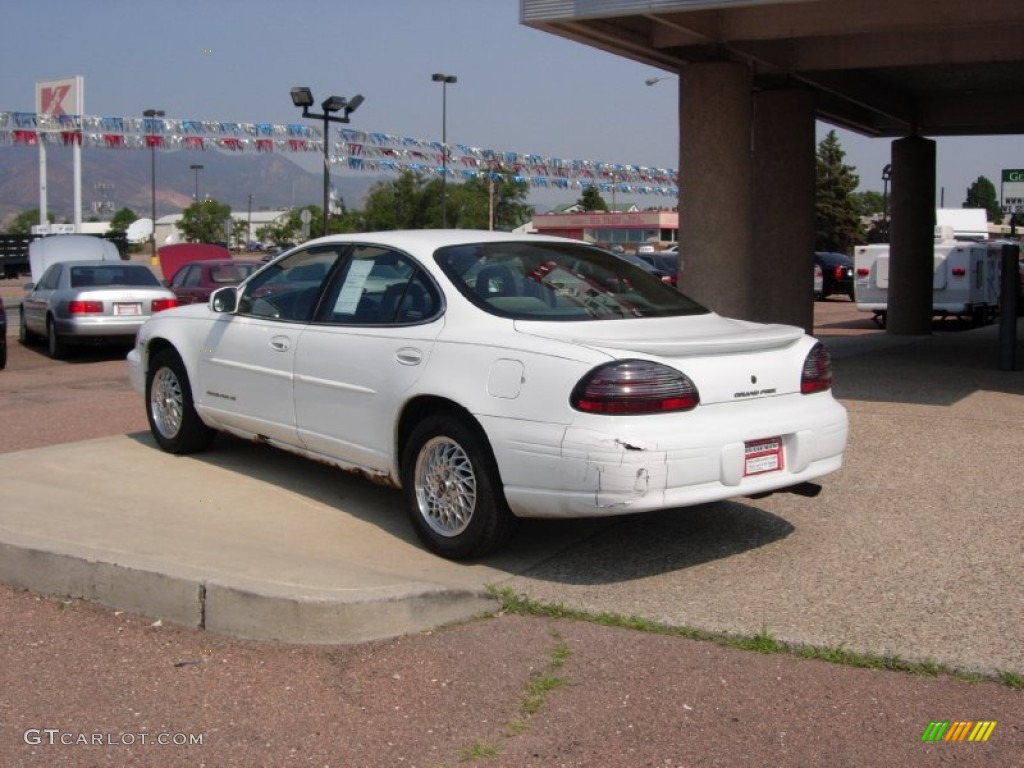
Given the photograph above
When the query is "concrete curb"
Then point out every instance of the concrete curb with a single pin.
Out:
(251, 611)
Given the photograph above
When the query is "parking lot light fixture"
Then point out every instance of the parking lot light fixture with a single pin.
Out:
(197, 169)
(444, 80)
(303, 97)
(152, 114)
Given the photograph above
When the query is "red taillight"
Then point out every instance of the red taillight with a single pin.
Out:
(838, 272)
(159, 305)
(85, 307)
(817, 372)
(863, 272)
(959, 271)
(630, 387)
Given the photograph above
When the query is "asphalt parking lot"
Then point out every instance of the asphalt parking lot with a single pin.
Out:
(913, 550)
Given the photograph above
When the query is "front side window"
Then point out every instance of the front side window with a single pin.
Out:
(289, 289)
(559, 281)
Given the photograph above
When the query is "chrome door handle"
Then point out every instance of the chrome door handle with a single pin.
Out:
(280, 343)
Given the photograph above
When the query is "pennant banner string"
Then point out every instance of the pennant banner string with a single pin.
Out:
(352, 150)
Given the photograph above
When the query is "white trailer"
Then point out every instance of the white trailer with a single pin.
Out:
(965, 280)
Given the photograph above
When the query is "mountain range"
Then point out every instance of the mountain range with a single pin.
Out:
(115, 179)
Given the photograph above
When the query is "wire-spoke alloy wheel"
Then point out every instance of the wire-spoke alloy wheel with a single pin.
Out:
(445, 486)
(173, 420)
(166, 403)
(452, 488)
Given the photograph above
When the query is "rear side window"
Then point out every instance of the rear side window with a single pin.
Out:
(379, 286)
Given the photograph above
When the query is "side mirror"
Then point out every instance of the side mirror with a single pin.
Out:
(224, 300)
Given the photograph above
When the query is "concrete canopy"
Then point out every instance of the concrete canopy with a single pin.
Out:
(877, 67)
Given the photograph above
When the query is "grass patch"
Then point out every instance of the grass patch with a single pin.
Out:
(479, 751)
(537, 691)
(762, 642)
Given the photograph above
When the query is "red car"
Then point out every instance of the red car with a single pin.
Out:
(194, 282)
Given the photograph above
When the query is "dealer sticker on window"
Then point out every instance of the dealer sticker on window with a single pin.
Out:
(762, 456)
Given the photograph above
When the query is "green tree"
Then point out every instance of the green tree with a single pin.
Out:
(22, 223)
(869, 203)
(289, 229)
(412, 201)
(982, 194)
(203, 221)
(469, 203)
(837, 216)
(591, 199)
(123, 219)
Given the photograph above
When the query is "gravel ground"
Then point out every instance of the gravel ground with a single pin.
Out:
(458, 696)
(504, 691)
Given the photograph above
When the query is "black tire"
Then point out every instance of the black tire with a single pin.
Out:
(25, 336)
(173, 420)
(56, 347)
(3, 353)
(452, 489)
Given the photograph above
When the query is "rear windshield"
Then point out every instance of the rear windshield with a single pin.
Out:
(558, 281)
(115, 274)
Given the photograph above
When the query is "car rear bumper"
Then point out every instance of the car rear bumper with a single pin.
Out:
(692, 459)
(99, 327)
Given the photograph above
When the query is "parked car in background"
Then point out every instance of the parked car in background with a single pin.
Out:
(836, 274)
(174, 257)
(88, 302)
(46, 251)
(3, 336)
(492, 377)
(669, 278)
(665, 263)
(195, 281)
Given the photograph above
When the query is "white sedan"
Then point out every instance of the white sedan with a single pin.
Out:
(494, 377)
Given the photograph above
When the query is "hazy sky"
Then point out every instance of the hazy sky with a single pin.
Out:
(518, 89)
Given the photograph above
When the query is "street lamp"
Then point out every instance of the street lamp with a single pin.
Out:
(656, 80)
(303, 97)
(152, 114)
(886, 178)
(444, 80)
(197, 169)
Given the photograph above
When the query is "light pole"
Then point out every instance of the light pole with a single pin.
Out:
(886, 178)
(152, 114)
(656, 80)
(444, 80)
(303, 97)
(197, 169)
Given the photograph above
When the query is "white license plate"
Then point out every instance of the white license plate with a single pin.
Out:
(127, 309)
(762, 456)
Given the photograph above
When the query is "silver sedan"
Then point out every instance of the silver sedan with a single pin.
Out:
(91, 302)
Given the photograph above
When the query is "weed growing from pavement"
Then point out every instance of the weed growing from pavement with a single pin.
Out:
(762, 642)
(1012, 680)
(478, 751)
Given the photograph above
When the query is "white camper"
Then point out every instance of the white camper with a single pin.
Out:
(55, 248)
(965, 279)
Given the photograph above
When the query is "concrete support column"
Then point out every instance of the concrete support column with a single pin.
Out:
(714, 186)
(911, 237)
(782, 204)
